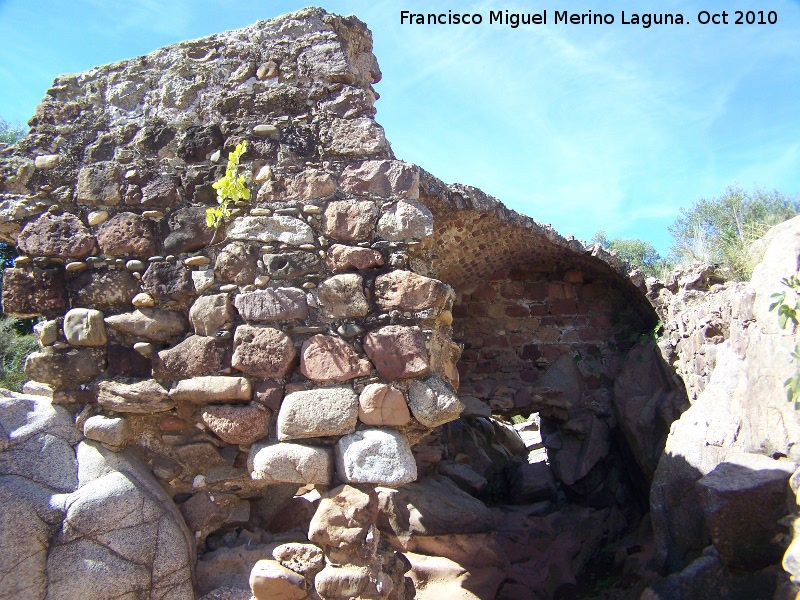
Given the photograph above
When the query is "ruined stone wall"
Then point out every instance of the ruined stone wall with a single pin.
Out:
(315, 337)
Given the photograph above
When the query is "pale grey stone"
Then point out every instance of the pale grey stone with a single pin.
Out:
(375, 456)
(433, 403)
(114, 431)
(46, 332)
(319, 412)
(407, 220)
(343, 296)
(84, 327)
(290, 463)
(274, 304)
(276, 228)
(154, 324)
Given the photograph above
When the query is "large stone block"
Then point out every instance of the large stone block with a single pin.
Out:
(84, 327)
(263, 351)
(103, 289)
(343, 296)
(344, 518)
(318, 413)
(397, 351)
(433, 403)
(61, 235)
(377, 457)
(185, 230)
(211, 388)
(408, 291)
(98, 184)
(168, 281)
(327, 358)
(290, 463)
(65, 368)
(196, 355)
(154, 324)
(269, 580)
(384, 178)
(343, 258)
(33, 292)
(234, 424)
(407, 220)
(127, 234)
(273, 304)
(238, 262)
(310, 184)
(379, 404)
(743, 499)
(350, 220)
(288, 265)
(143, 397)
(210, 314)
(277, 228)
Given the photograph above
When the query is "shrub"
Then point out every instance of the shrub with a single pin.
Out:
(13, 350)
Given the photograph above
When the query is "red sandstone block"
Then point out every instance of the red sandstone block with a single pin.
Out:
(538, 310)
(484, 293)
(517, 311)
(574, 276)
(513, 291)
(536, 291)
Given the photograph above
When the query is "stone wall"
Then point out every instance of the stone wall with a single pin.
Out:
(315, 340)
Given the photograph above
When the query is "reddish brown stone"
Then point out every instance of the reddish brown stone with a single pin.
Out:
(161, 192)
(406, 290)
(234, 424)
(517, 311)
(350, 220)
(172, 423)
(56, 235)
(168, 281)
(311, 183)
(127, 234)
(103, 289)
(34, 292)
(209, 314)
(342, 258)
(98, 184)
(269, 393)
(484, 293)
(196, 355)
(328, 358)
(185, 230)
(263, 351)
(397, 351)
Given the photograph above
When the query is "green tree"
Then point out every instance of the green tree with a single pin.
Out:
(722, 230)
(10, 133)
(636, 252)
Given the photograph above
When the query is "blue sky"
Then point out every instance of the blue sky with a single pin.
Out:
(586, 127)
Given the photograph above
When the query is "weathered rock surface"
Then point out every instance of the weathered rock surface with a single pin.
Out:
(277, 228)
(344, 517)
(397, 351)
(326, 358)
(33, 292)
(65, 368)
(146, 397)
(185, 230)
(274, 304)
(290, 463)
(87, 544)
(379, 404)
(211, 388)
(238, 263)
(103, 289)
(196, 355)
(350, 220)
(343, 296)
(263, 351)
(343, 258)
(289, 265)
(127, 234)
(84, 327)
(405, 290)
(319, 412)
(56, 235)
(168, 281)
(210, 314)
(155, 324)
(381, 178)
(433, 403)
(269, 580)
(375, 456)
(408, 220)
(242, 425)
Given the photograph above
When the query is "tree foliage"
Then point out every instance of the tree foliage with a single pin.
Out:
(722, 230)
(637, 252)
(10, 133)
